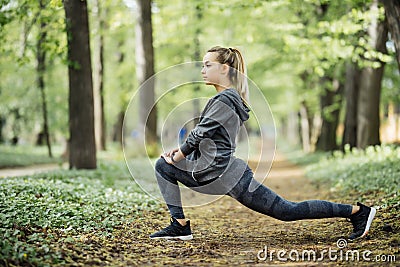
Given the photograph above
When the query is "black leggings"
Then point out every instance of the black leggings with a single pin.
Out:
(247, 191)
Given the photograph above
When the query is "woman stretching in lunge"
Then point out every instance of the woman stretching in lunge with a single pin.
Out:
(205, 161)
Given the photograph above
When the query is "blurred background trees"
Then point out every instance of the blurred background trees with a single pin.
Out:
(329, 69)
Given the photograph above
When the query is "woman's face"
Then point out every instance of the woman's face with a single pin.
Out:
(211, 70)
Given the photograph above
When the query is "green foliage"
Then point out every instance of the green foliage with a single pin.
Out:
(391, 82)
(119, 55)
(289, 45)
(20, 98)
(59, 207)
(297, 157)
(153, 150)
(15, 156)
(371, 174)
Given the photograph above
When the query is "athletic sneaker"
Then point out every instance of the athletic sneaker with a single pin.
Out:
(361, 221)
(174, 231)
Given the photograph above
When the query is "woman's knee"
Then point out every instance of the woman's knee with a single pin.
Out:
(163, 173)
(161, 165)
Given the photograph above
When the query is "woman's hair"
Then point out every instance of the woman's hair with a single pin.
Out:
(237, 71)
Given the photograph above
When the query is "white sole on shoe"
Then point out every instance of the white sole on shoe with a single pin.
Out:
(369, 221)
(183, 237)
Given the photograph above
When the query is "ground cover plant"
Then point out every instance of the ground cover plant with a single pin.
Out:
(17, 156)
(372, 175)
(42, 215)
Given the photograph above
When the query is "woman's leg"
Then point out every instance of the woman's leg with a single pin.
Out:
(167, 177)
(260, 198)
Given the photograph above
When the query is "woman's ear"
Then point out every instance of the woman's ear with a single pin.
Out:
(224, 69)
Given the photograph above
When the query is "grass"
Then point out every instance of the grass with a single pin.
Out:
(373, 172)
(295, 154)
(25, 155)
(42, 215)
(370, 176)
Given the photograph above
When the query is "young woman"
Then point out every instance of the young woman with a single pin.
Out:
(205, 161)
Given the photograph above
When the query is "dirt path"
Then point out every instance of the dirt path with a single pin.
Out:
(227, 233)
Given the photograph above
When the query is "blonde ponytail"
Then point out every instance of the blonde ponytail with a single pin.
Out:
(238, 72)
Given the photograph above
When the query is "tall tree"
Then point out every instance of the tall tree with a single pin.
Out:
(82, 145)
(392, 12)
(196, 57)
(100, 123)
(368, 121)
(41, 68)
(351, 92)
(144, 70)
(305, 127)
(2, 124)
(119, 123)
(330, 102)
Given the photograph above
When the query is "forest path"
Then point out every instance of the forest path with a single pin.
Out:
(227, 233)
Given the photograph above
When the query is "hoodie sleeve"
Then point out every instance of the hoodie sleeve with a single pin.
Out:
(216, 114)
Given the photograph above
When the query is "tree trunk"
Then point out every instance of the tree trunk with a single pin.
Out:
(118, 128)
(16, 128)
(330, 116)
(305, 128)
(144, 70)
(397, 122)
(368, 121)
(3, 121)
(82, 146)
(99, 83)
(196, 55)
(351, 92)
(41, 68)
(118, 125)
(292, 126)
(392, 12)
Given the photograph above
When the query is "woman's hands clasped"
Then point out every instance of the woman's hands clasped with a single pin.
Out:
(173, 156)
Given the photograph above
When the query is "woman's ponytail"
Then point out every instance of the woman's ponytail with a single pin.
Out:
(241, 76)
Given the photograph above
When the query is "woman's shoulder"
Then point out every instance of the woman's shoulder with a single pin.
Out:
(227, 94)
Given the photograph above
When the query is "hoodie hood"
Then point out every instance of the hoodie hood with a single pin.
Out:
(240, 107)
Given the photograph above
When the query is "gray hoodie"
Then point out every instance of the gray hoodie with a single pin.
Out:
(209, 147)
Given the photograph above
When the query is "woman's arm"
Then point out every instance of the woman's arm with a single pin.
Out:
(177, 156)
(217, 113)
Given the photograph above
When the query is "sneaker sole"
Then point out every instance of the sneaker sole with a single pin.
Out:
(183, 237)
(369, 221)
